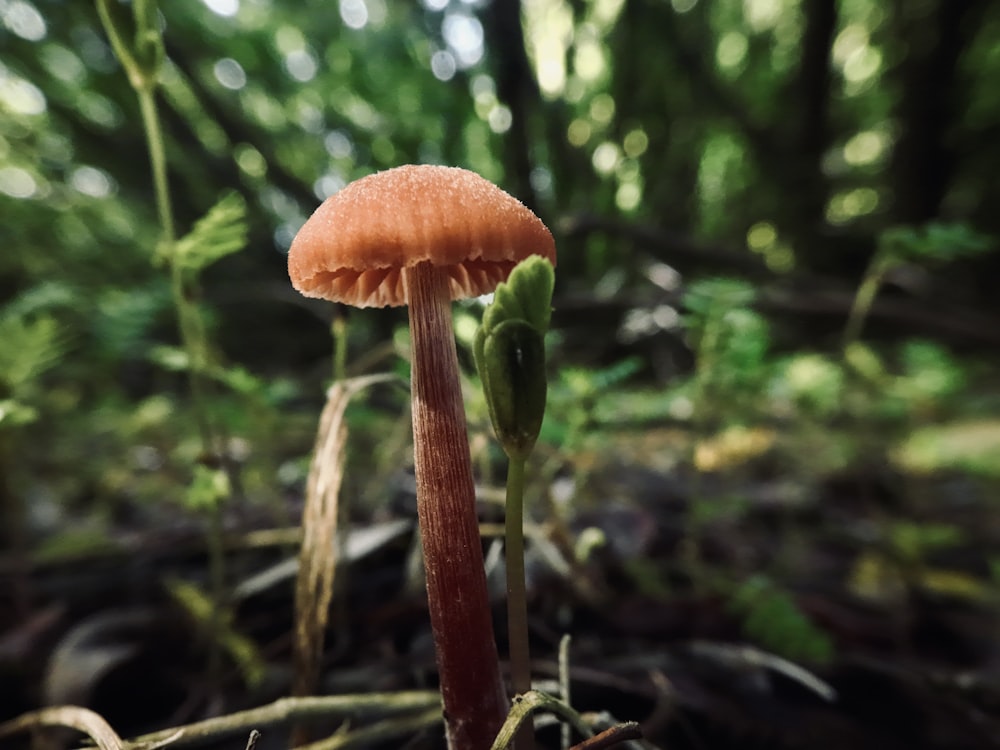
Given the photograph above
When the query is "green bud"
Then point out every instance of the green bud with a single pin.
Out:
(512, 368)
(509, 349)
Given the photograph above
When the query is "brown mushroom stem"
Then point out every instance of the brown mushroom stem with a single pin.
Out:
(471, 687)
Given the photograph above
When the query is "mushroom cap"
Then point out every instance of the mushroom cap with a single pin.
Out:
(355, 245)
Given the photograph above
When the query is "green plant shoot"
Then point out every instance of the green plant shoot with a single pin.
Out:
(510, 355)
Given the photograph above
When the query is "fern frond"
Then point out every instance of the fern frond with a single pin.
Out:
(220, 232)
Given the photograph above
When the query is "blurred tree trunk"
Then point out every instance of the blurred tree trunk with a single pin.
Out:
(930, 97)
(806, 189)
(517, 89)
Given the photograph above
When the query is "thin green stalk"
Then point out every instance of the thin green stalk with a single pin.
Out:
(863, 301)
(188, 323)
(193, 342)
(517, 600)
(158, 162)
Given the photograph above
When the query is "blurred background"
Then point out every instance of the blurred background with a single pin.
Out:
(774, 406)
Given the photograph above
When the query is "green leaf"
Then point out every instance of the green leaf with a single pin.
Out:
(218, 625)
(221, 232)
(30, 347)
(15, 414)
(772, 618)
(208, 488)
(526, 295)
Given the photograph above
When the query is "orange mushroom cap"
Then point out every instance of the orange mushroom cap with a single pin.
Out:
(354, 247)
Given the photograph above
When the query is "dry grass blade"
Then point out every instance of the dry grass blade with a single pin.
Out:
(82, 719)
(318, 558)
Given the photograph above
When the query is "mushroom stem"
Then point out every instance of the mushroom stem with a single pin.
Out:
(471, 688)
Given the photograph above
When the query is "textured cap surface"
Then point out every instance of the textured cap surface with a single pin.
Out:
(355, 245)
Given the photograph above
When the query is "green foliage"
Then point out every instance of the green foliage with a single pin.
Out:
(208, 489)
(31, 345)
(221, 232)
(931, 243)
(138, 43)
(913, 541)
(577, 398)
(814, 383)
(730, 341)
(968, 446)
(771, 617)
(205, 614)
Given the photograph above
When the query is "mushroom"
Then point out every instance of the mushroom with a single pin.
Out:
(423, 236)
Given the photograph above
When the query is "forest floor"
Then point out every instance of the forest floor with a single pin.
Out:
(719, 609)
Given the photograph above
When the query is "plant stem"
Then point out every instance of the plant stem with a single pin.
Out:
(517, 600)
(193, 341)
(457, 596)
(863, 301)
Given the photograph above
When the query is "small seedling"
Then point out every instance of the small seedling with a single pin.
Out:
(510, 355)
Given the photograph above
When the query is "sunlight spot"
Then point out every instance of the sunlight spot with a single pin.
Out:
(483, 87)
(602, 109)
(464, 35)
(327, 185)
(578, 132)
(250, 160)
(683, 6)
(224, 8)
(865, 148)
(288, 39)
(63, 63)
(605, 12)
(551, 75)
(91, 181)
(284, 234)
(761, 15)
(500, 119)
(435, 5)
(761, 236)
(230, 74)
(443, 65)
(301, 65)
(731, 50)
(309, 116)
(548, 29)
(780, 258)
(354, 13)
(635, 144)
(862, 64)
(484, 94)
(20, 96)
(23, 19)
(377, 12)
(851, 39)
(588, 59)
(628, 196)
(541, 181)
(17, 182)
(338, 145)
(606, 158)
(850, 204)
(664, 276)
(681, 407)
(98, 109)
